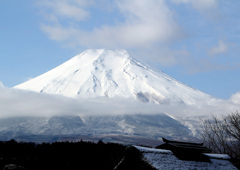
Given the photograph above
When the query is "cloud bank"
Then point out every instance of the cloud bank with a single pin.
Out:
(19, 103)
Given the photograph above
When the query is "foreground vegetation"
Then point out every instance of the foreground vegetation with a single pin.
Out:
(69, 156)
(222, 135)
(61, 155)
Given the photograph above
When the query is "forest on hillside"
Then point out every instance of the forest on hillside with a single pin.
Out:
(70, 156)
(61, 155)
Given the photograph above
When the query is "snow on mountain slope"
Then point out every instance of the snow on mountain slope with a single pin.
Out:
(112, 96)
(113, 73)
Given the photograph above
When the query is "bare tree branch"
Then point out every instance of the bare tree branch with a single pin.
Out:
(223, 135)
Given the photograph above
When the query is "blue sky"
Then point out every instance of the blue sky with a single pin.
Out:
(196, 42)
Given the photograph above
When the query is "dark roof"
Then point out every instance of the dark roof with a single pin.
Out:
(186, 150)
(186, 146)
(178, 142)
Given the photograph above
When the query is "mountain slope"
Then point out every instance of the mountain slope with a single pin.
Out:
(113, 73)
(106, 85)
(134, 129)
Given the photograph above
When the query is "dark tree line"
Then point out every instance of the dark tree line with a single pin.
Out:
(61, 155)
(222, 135)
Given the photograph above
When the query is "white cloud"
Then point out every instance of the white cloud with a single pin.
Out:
(70, 9)
(1, 85)
(235, 98)
(200, 5)
(18, 103)
(146, 28)
(148, 21)
(145, 23)
(221, 48)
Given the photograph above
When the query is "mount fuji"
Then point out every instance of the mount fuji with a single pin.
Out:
(175, 109)
(112, 73)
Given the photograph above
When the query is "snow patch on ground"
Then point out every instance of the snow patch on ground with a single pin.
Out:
(217, 156)
(126, 127)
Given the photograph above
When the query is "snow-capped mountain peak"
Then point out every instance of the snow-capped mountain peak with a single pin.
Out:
(112, 73)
